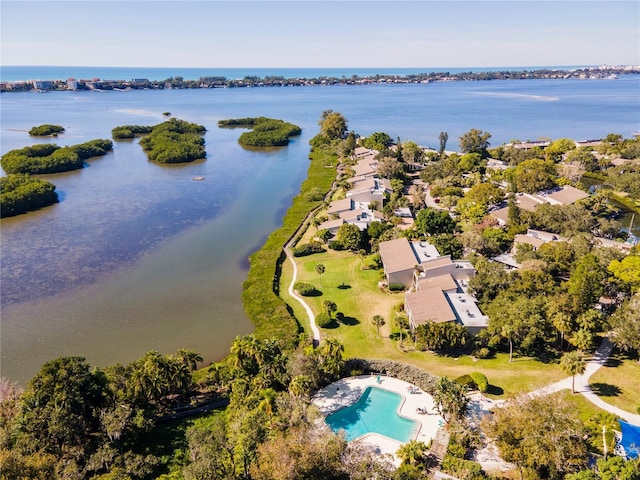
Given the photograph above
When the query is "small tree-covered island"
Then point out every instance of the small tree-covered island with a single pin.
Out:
(265, 132)
(172, 141)
(471, 290)
(46, 130)
(21, 193)
(50, 158)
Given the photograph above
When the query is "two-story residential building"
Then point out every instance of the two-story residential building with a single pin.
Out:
(437, 286)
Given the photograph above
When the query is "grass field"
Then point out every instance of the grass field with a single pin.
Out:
(355, 291)
(358, 297)
(618, 382)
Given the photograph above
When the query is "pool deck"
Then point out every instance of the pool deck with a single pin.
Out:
(347, 391)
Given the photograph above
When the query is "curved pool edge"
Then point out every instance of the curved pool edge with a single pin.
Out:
(401, 428)
(347, 391)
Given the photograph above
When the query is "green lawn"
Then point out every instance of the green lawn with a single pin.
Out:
(358, 297)
(618, 382)
(355, 291)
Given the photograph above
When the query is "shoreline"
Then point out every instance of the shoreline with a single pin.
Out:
(178, 82)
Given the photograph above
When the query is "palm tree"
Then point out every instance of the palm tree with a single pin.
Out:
(330, 356)
(573, 363)
(563, 323)
(411, 453)
(450, 399)
(268, 402)
(329, 307)
(402, 322)
(507, 332)
(362, 253)
(190, 358)
(247, 353)
(378, 321)
(319, 270)
(299, 386)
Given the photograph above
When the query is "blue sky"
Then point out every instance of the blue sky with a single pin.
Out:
(305, 33)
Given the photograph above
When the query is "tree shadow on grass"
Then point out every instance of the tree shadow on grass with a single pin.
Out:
(613, 362)
(344, 286)
(331, 325)
(605, 390)
(494, 390)
(315, 293)
(349, 321)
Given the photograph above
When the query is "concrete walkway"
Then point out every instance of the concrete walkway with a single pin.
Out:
(489, 457)
(312, 317)
(581, 386)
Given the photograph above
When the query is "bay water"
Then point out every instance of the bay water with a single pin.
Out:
(139, 256)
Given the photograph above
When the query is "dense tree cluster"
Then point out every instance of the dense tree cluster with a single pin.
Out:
(333, 125)
(130, 131)
(173, 141)
(45, 130)
(265, 132)
(74, 421)
(50, 158)
(541, 435)
(20, 193)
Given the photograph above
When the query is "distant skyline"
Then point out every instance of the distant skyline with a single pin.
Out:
(305, 33)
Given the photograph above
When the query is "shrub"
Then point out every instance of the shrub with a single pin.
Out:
(315, 194)
(304, 289)
(442, 336)
(336, 245)
(480, 380)
(396, 287)
(466, 381)
(323, 320)
(483, 353)
(461, 468)
(307, 249)
(408, 373)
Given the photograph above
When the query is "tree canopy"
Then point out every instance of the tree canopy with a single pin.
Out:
(333, 125)
(265, 132)
(20, 193)
(45, 130)
(475, 141)
(50, 158)
(542, 435)
(174, 141)
(433, 222)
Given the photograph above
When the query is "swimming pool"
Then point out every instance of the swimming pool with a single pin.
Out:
(376, 411)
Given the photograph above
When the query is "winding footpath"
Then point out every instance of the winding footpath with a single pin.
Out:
(580, 383)
(312, 317)
(581, 386)
(489, 457)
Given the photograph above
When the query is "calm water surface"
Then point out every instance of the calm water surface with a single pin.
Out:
(138, 256)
